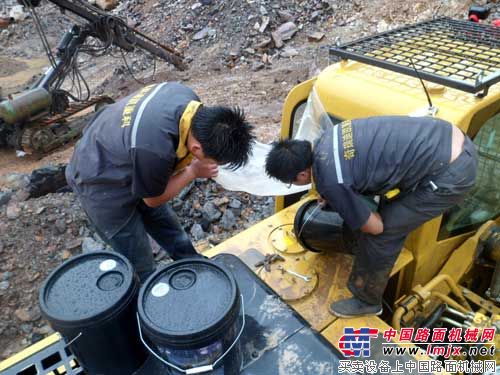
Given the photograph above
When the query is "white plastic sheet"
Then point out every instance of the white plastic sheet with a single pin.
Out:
(252, 178)
(314, 120)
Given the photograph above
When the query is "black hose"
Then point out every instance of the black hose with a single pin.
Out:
(434, 317)
(41, 33)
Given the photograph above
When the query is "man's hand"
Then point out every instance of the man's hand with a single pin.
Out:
(197, 169)
(374, 225)
(322, 202)
(203, 169)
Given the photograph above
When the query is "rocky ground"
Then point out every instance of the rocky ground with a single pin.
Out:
(244, 52)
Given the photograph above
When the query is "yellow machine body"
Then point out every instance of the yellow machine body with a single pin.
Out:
(350, 90)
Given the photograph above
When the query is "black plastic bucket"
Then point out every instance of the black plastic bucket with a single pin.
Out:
(191, 317)
(322, 230)
(91, 300)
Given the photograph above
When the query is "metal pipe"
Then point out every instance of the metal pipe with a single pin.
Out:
(422, 293)
(408, 304)
(134, 38)
(457, 313)
(73, 39)
(396, 318)
(450, 302)
(435, 316)
(431, 285)
(453, 322)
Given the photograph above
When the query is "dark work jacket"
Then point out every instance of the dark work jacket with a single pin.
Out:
(374, 155)
(128, 152)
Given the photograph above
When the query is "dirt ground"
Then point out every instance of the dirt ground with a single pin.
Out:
(227, 66)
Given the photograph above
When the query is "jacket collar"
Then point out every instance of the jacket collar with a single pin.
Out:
(182, 152)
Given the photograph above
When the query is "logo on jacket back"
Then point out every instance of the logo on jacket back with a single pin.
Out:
(356, 342)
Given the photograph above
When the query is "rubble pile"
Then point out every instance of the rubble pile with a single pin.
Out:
(247, 32)
(228, 34)
(37, 235)
(20, 29)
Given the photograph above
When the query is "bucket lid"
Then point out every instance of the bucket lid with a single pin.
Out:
(87, 289)
(309, 217)
(188, 302)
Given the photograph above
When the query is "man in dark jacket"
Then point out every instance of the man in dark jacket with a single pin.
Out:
(138, 153)
(428, 160)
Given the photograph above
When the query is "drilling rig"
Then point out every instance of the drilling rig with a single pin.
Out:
(34, 121)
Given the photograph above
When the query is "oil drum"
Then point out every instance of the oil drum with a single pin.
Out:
(322, 230)
(91, 300)
(191, 317)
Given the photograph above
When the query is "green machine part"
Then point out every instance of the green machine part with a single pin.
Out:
(25, 106)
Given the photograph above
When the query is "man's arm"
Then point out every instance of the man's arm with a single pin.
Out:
(353, 208)
(176, 183)
(374, 225)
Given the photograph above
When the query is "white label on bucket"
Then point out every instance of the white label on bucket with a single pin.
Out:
(160, 290)
(107, 265)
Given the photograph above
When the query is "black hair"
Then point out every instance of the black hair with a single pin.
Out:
(287, 158)
(224, 134)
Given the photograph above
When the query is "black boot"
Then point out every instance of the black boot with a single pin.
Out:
(353, 307)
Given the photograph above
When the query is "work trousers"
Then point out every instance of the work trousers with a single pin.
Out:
(375, 255)
(162, 224)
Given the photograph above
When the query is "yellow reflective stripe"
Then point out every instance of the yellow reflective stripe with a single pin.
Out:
(182, 152)
(392, 193)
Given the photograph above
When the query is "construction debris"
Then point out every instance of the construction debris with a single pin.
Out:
(289, 52)
(315, 36)
(285, 16)
(278, 42)
(265, 23)
(106, 4)
(5, 22)
(17, 13)
(47, 180)
(203, 33)
(286, 31)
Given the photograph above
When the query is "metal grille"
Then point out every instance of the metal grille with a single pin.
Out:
(459, 54)
(54, 359)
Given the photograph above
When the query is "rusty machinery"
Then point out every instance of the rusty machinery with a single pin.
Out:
(34, 120)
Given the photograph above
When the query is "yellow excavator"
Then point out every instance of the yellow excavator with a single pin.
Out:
(448, 274)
